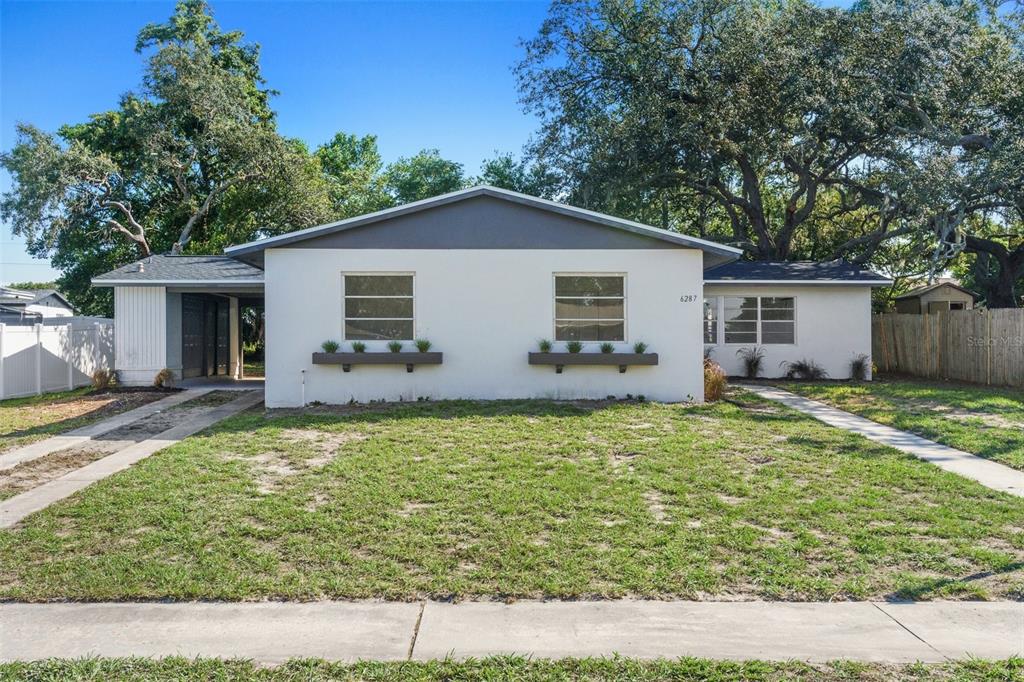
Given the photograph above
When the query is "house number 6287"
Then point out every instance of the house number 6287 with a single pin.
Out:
(687, 298)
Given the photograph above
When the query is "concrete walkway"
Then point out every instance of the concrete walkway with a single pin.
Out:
(990, 474)
(349, 631)
(13, 458)
(18, 507)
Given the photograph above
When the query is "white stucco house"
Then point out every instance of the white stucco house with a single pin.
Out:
(484, 274)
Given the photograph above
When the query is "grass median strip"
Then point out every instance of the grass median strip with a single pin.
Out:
(516, 499)
(512, 668)
(982, 420)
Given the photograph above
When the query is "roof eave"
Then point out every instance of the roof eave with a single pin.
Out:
(797, 282)
(176, 282)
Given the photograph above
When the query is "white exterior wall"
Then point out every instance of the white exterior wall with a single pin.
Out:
(833, 325)
(140, 333)
(485, 310)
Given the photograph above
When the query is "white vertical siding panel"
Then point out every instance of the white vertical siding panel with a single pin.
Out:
(140, 333)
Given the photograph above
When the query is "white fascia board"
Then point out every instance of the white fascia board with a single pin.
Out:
(802, 282)
(175, 282)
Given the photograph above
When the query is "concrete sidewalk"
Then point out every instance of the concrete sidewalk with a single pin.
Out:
(18, 507)
(349, 631)
(13, 458)
(988, 473)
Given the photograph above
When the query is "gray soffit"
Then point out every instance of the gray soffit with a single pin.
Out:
(793, 272)
(183, 270)
(514, 221)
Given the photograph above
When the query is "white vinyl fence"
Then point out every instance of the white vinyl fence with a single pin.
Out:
(41, 358)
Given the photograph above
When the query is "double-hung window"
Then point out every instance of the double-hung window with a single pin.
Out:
(778, 320)
(378, 307)
(764, 320)
(590, 307)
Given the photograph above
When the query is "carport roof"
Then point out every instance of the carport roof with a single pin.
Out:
(161, 270)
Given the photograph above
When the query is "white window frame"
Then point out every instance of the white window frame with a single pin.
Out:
(373, 273)
(720, 341)
(625, 303)
(717, 298)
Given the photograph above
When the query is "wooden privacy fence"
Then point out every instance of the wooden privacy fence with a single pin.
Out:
(978, 346)
(40, 358)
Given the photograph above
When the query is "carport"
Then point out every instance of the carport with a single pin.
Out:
(182, 313)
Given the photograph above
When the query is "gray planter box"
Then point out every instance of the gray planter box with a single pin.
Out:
(620, 360)
(346, 360)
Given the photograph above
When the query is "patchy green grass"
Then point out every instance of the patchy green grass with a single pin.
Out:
(26, 420)
(985, 421)
(523, 499)
(253, 368)
(511, 668)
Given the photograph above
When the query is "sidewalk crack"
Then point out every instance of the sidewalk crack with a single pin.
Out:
(914, 634)
(416, 630)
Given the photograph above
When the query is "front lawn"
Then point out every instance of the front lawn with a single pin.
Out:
(515, 499)
(982, 420)
(510, 668)
(25, 420)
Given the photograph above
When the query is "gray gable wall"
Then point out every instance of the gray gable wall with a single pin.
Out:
(483, 223)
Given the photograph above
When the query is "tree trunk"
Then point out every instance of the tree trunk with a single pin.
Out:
(1001, 289)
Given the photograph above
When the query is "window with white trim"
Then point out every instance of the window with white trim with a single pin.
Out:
(378, 307)
(764, 320)
(590, 307)
(711, 319)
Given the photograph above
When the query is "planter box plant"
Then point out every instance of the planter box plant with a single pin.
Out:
(620, 360)
(347, 360)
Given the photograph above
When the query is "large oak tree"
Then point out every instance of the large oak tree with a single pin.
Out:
(191, 161)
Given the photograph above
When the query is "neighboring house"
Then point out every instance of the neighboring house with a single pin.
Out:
(18, 306)
(932, 298)
(483, 274)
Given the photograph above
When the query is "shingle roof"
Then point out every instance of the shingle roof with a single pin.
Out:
(181, 269)
(836, 271)
(914, 293)
(23, 297)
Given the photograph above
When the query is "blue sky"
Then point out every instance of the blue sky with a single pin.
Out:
(416, 74)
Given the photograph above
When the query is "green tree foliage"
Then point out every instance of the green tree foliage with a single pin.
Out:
(353, 170)
(519, 175)
(32, 286)
(192, 161)
(782, 127)
(422, 176)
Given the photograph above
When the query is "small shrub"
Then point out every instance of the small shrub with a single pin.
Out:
(330, 346)
(395, 346)
(607, 347)
(639, 347)
(422, 345)
(860, 365)
(544, 345)
(804, 369)
(752, 358)
(102, 379)
(164, 378)
(715, 381)
(358, 347)
(574, 346)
